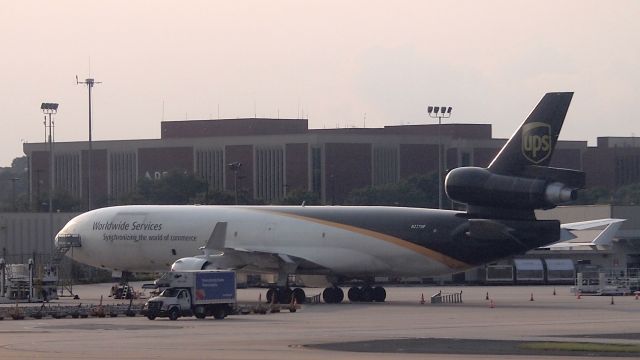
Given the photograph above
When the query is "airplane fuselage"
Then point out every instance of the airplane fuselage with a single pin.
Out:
(345, 240)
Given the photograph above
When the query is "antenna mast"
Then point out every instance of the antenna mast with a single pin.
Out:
(89, 82)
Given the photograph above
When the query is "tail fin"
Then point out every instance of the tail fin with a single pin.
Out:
(519, 179)
(534, 141)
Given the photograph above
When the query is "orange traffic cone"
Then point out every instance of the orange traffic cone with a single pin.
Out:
(422, 299)
(531, 298)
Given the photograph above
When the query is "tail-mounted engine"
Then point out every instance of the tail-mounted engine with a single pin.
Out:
(537, 188)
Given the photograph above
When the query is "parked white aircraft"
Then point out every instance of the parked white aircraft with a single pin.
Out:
(344, 242)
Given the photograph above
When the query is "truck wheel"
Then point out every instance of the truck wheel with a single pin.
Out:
(200, 315)
(200, 312)
(219, 313)
(151, 317)
(173, 314)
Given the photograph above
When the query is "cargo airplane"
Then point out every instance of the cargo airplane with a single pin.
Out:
(350, 242)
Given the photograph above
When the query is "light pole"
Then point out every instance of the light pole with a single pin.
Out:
(50, 109)
(235, 167)
(89, 82)
(439, 112)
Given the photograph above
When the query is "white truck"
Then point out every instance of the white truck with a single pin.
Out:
(193, 293)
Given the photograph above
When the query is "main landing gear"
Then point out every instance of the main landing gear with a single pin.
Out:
(335, 295)
(367, 294)
(284, 295)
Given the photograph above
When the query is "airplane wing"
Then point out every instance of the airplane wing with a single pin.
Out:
(217, 255)
(604, 238)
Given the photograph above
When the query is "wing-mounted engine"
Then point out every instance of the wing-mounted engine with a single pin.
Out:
(190, 264)
(229, 259)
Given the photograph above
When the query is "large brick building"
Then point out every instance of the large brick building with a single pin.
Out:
(280, 155)
(615, 162)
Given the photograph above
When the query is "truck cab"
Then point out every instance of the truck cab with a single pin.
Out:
(171, 303)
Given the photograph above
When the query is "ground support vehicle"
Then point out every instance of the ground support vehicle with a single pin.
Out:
(194, 293)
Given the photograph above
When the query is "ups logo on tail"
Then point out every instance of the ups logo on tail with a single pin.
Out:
(536, 141)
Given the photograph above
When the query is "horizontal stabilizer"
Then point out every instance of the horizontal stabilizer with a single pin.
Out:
(569, 177)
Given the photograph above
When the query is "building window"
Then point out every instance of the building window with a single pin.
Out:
(210, 167)
(67, 173)
(385, 165)
(269, 173)
(465, 159)
(316, 170)
(122, 174)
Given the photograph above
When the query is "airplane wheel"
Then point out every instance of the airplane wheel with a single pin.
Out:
(379, 294)
(367, 294)
(354, 294)
(329, 295)
(284, 295)
(299, 295)
(333, 295)
(272, 295)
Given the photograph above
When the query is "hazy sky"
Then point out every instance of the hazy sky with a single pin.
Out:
(334, 60)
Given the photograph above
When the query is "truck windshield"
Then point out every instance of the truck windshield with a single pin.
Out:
(170, 293)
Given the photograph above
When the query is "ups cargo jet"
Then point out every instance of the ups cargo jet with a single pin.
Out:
(350, 242)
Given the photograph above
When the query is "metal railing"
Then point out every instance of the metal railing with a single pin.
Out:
(446, 298)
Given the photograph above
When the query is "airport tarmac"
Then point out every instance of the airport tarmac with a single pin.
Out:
(400, 328)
